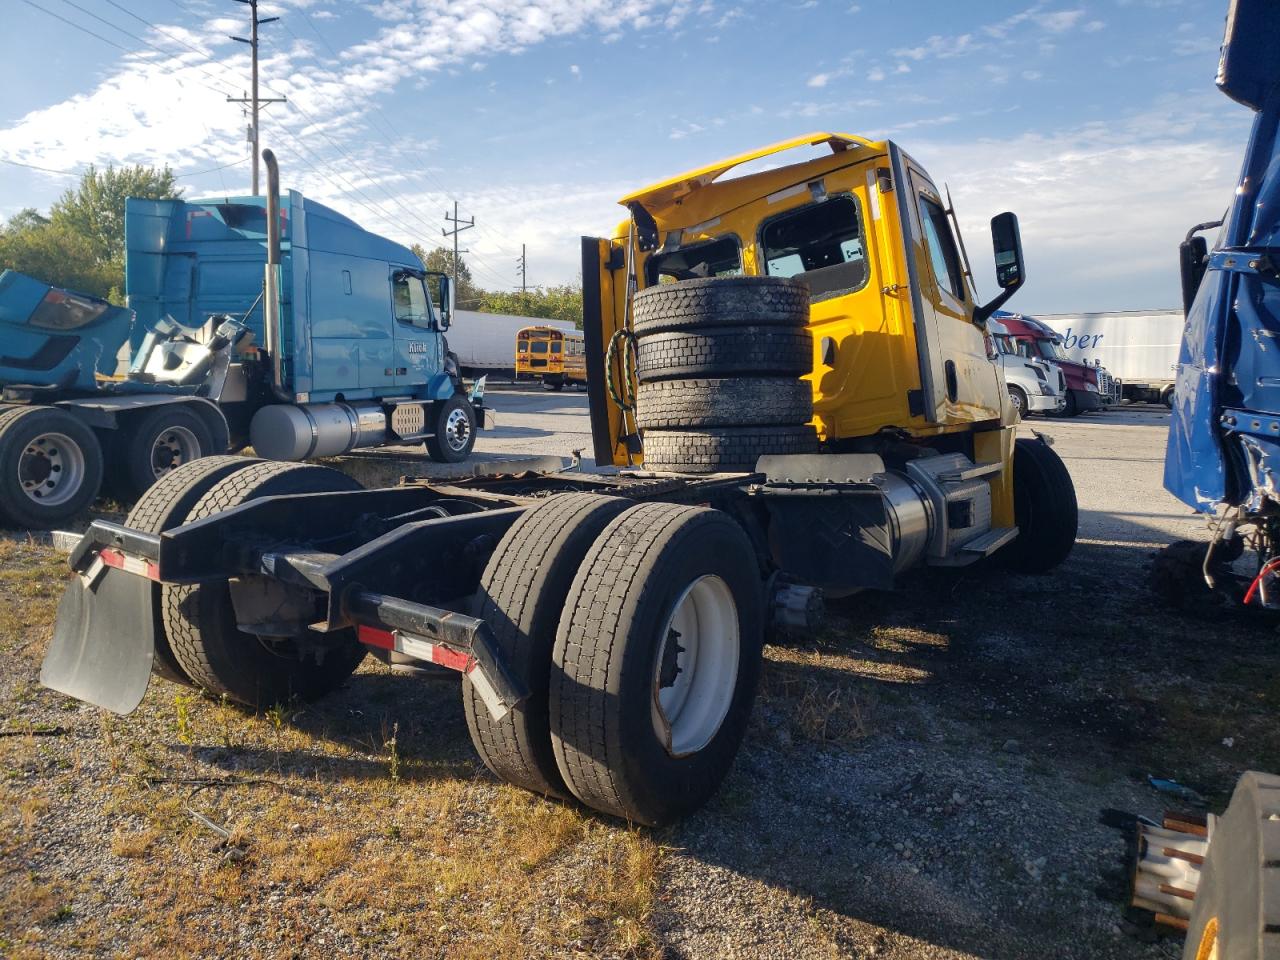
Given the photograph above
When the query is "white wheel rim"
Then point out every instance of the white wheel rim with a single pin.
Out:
(699, 645)
(173, 447)
(457, 429)
(51, 469)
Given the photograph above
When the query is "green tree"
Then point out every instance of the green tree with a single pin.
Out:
(563, 302)
(80, 245)
(95, 208)
(440, 260)
(25, 219)
(58, 256)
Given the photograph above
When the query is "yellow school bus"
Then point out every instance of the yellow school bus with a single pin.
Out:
(554, 356)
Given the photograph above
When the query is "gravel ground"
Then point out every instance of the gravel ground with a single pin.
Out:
(922, 780)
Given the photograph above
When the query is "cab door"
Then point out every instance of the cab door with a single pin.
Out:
(960, 383)
(416, 352)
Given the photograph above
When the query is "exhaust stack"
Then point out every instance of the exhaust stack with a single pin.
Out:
(271, 288)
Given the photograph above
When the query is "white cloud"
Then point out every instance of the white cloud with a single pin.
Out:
(875, 74)
(1093, 26)
(1059, 21)
(819, 80)
(575, 70)
(1102, 206)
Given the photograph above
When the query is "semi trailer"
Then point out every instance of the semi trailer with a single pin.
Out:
(792, 393)
(1138, 348)
(275, 322)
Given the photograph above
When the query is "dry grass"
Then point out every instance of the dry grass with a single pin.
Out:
(355, 831)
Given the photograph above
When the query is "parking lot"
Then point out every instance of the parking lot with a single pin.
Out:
(922, 779)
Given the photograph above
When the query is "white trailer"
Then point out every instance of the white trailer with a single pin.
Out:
(1139, 348)
(486, 342)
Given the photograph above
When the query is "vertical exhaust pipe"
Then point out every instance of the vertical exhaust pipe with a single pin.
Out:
(271, 288)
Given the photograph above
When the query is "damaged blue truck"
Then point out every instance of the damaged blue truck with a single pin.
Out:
(301, 334)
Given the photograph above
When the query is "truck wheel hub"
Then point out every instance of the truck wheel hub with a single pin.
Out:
(51, 469)
(696, 670)
(173, 448)
(457, 430)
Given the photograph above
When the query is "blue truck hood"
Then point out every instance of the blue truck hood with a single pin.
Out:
(51, 337)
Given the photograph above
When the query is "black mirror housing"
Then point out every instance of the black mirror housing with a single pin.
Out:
(1193, 262)
(1006, 241)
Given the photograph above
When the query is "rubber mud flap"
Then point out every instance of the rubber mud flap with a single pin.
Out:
(103, 642)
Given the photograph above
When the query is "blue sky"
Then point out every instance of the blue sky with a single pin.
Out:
(1097, 122)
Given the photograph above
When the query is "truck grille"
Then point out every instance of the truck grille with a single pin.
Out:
(1108, 386)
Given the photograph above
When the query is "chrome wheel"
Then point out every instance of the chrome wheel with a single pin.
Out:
(172, 448)
(51, 469)
(696, 669)
(457, 430)
(1019, 404)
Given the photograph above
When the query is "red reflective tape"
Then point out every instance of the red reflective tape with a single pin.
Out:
(374, 637)
(135, 565)
(450, 658)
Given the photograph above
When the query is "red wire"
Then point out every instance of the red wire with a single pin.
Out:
(1257, 581)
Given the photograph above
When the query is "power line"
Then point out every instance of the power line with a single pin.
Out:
(72, 23)
(32, 166)
(144, 42)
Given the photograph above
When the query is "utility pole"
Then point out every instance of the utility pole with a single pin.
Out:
(523, 266)
(253, 99)
(458, 227)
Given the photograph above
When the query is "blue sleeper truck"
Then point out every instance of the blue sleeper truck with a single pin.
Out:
(272, 321)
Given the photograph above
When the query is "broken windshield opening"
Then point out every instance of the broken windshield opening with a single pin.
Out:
(715, 258)
(820, 244)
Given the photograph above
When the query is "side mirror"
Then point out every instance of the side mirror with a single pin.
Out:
(1006, 240)
(445, 301)
(1193, 261)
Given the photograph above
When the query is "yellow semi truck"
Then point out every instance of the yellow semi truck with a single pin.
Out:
(801, 353)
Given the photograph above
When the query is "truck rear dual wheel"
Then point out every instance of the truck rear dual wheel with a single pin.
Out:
(50, 466)
(200, 620)
(521, 596)
(165, 506)
(656, 661)
(151, 444)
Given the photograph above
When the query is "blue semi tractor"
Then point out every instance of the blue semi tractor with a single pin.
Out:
(272, 321)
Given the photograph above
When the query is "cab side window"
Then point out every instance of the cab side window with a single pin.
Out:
(942, 248)
(410, 299)
(820, 244)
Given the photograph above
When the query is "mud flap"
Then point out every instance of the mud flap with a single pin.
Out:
(103, 641)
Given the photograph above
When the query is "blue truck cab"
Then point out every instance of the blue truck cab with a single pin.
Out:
(273, 321)
(1223, 453)
(355, 317)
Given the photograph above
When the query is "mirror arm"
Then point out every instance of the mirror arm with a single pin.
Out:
(982, 313)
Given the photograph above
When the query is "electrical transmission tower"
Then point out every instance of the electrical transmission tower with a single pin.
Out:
(255, 102)
(458, 227)
(522, 265)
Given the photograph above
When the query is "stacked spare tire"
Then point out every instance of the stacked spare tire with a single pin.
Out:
(719, 363)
